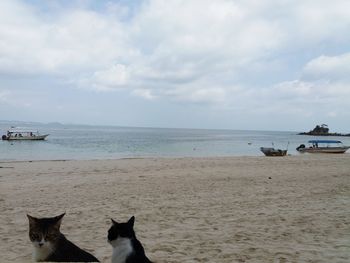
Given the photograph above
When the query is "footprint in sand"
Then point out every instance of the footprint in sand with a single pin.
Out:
(284, 258)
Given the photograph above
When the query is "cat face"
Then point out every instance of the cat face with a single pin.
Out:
(44, 232)
(121, 230)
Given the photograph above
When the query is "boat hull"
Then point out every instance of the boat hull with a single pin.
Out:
(27, 138)
(324, 150)
(273, 152)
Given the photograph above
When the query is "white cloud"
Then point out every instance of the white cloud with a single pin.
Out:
(4, 95)
(116, 76)
(329, 67)
(323, 20)
(198, 94)
(72, 42)
(299, 88)
(193, 51)
(144, 93)
(308, 97)
(8, 98)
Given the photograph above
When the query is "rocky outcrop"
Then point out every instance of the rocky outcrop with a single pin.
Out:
(322, 130)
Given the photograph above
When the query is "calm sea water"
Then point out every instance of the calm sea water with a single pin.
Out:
(99, 142)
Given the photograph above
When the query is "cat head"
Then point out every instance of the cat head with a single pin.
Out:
(121, 230)
(44, 232)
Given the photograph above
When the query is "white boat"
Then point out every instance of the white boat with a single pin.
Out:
(15, 134)
(323, 146)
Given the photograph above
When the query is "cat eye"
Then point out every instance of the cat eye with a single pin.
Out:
(34, 236)
(51, 236)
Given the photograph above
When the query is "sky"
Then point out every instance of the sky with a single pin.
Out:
(226, 64)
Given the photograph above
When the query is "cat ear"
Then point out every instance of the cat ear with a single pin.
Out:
(131, 221)
(114, 222)
(31, 219)
(58, 220)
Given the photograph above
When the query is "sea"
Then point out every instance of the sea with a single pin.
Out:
(86, 142)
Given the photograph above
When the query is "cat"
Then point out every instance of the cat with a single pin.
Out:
(126, 247)
(51, 245)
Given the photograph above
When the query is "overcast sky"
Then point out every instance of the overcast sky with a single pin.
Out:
(235, 64)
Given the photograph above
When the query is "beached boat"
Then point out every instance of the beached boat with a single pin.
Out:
(269, 151)
(323, 146)
(20, 134)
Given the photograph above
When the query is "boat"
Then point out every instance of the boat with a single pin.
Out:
(323, 146)
(270, 151)
(15, 134)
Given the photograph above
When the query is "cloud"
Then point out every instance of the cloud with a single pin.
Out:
(4, 95)
(144, 93)
(330, 74)
(196, 51)
(197, 94)
(71, 42)
(13, 99)
(323, 20)
(323, 88)
(114, 77)
(329, 67)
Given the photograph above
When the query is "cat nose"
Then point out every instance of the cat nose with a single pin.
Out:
(41, 244)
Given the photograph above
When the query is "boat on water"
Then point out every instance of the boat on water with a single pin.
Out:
(270, 151)
(323, 146)
(15, 134)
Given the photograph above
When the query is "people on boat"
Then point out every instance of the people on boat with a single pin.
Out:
(23, 135)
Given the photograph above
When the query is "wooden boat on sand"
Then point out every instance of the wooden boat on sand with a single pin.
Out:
(270, 151)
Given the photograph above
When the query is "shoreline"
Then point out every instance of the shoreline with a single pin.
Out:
(130, 158)
(212, 209)
(170, 157)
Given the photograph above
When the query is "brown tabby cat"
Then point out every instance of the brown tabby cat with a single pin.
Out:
(51, 245)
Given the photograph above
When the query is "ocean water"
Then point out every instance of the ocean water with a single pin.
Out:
(80, 142)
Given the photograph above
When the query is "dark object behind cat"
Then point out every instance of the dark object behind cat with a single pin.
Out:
(51, 245)
(126, 247)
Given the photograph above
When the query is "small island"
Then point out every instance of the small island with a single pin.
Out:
(322, 130)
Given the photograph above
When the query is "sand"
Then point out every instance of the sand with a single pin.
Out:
(239, 209)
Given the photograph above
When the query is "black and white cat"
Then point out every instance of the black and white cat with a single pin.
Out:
(126, 247)
(51, 245)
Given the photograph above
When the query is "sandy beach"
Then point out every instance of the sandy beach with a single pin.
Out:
(239, 209)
